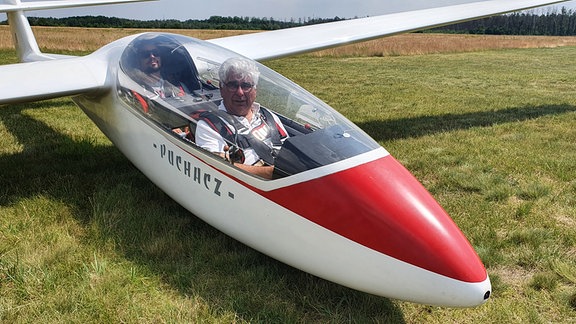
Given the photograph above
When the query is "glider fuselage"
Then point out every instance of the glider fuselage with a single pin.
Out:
(342, 208)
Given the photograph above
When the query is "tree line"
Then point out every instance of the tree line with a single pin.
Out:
(214, 22)
(561, 23)
(554, 23)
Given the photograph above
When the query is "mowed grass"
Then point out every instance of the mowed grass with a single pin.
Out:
(85, 237)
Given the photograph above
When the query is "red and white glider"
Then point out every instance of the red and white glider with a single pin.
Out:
(340, 206)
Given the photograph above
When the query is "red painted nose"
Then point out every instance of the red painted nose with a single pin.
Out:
(380, 205)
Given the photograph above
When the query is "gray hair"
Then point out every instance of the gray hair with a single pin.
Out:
(239, 67)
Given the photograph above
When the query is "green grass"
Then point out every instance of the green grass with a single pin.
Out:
(85, 237)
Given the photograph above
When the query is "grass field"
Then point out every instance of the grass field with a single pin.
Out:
(85, 237)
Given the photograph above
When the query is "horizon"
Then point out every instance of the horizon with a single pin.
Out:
(275, 9)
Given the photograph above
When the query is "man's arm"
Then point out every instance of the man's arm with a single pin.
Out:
(261, 171)
(210, 140)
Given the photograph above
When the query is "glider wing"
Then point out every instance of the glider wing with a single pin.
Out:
(286, 42)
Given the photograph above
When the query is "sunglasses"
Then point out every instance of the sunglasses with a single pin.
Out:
(148, 53)
(233, 86)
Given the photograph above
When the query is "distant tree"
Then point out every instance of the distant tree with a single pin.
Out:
(558, 23)
(552, 23)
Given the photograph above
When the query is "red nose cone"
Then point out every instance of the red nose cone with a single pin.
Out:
(383, 207)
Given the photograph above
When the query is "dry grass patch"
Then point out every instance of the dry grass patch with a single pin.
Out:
(509, 279)
(54, 39)
(417, 44)
(90, 39)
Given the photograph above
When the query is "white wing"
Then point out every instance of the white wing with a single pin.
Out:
(47, 76)
(50, 79)
(285, 42)
(57, 4)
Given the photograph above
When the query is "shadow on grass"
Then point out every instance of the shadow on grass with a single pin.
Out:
(162, 238)
(382, 130)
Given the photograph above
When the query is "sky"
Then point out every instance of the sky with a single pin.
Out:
(284, 10)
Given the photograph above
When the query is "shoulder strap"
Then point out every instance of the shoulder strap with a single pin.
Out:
(215, 119)
(218, 120)
(274, 128)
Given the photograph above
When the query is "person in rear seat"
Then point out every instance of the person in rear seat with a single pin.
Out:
(152, 75)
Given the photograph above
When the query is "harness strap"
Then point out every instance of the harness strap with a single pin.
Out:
(215, 119)
(275, 136)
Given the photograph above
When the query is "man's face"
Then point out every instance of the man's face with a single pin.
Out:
(238, 95)
(150, 60)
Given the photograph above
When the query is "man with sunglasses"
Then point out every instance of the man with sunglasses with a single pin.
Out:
(149, 63)
(242, 132)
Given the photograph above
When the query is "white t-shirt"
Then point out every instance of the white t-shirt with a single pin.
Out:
(211, 140)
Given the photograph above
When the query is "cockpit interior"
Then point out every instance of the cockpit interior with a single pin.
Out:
(318, 135)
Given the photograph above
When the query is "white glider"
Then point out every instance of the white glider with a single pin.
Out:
(339, 207)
